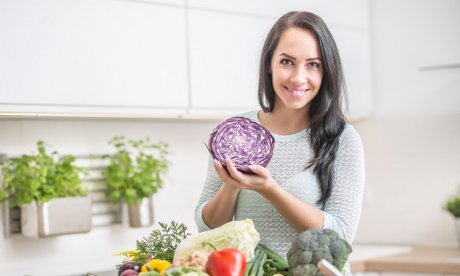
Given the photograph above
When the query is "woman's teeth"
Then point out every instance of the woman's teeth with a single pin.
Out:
(297, 92)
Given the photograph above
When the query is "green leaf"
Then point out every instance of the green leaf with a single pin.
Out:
(453, 204)
(41, 177)
(136, 169)
(162, 242)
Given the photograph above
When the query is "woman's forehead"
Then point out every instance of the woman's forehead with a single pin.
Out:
(298, 43)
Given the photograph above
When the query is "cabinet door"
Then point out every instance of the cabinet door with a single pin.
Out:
(99, 55)
(234, 30)
(335, 12)
(355, 53)
(224, 60)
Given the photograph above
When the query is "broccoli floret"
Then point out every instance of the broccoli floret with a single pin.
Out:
(311, 246)
(308, 269)
(340, 251)
(321, 253)
(299, 257)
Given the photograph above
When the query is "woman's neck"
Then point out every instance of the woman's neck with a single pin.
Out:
(284, 122)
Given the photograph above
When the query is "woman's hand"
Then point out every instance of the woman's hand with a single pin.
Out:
(261, 181)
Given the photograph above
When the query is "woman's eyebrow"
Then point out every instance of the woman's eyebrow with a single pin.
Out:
(288, 56)
(293, 58)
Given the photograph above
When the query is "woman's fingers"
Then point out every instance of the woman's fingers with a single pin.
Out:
(260, 171)
(224, 174)
(260, 176)
(237, 175)
(220, 169)
(230, 175)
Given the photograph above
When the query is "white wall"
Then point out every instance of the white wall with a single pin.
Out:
(411, 166)
(412, 141)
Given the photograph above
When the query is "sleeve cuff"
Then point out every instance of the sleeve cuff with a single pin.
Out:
(201, 225)
(331, 222)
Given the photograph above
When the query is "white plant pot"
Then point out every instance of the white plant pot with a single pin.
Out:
(59, 216)
(137, 215)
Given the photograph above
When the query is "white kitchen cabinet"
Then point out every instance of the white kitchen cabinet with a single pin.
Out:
(92, 55)
(180, 3)
(337, 12)
(355, 53)
(157, 57)
(224, 60)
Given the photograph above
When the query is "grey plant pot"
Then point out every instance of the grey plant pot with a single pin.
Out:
(137, 215)
(59, 216)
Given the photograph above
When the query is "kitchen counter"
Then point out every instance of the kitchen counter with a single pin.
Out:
(414, 260)
(74, 254)
(92, 252)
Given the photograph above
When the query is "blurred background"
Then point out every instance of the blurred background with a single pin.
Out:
(76, 73)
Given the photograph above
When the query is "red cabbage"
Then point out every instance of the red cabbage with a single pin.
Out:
(244, 141)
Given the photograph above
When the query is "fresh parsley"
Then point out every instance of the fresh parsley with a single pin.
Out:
(41, 176)
(162, 242)
(136, 169)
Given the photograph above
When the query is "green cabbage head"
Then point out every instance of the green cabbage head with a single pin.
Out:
(241, 235)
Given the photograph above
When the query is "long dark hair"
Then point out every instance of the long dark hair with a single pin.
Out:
(326, 119)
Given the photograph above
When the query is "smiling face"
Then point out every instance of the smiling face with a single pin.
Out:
(296, 68)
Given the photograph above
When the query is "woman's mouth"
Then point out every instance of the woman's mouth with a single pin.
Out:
(296, 92)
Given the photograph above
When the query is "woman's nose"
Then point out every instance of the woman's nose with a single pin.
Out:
(299, 75)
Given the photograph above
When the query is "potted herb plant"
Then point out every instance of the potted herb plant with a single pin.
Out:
(135, 173)
(452, 206)
(49, 192)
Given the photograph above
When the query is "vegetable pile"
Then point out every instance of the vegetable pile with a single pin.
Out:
(232, 249)
(242, 140)
(154, 254)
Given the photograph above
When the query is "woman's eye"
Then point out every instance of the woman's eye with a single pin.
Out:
(314, 65)
(286, 62)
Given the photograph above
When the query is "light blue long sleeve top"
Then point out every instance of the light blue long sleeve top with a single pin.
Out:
(287, 167)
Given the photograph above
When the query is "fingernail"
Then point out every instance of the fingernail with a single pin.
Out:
(252, 167)
(216, 163)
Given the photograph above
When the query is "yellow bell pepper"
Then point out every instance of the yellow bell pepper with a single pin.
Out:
(156, 264)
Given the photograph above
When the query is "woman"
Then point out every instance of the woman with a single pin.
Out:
(315, 178)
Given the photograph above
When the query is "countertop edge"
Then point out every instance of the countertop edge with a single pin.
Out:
(418, 260)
